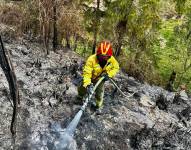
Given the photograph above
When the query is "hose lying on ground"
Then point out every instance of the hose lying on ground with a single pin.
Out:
(126, 96)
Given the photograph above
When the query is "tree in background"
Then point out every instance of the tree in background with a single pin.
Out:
(45, 16)
(174, 51)
(134, 25)
(119, 13)
(70, 24)
(183, 41)
(93, 13)
(55, 32)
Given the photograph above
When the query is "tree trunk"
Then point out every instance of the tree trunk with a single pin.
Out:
(96, 26)
(68, 40)
(45, 17)
(76, 42)
(121, 30)
(11, 78)
(85, 48)
(95, 42)
(55, 33)
(170, 85)
(48, 36)
(119, 45)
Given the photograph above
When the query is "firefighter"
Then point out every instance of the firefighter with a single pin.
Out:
(97, 65)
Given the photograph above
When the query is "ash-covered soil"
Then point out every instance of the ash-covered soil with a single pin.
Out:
(150, 119)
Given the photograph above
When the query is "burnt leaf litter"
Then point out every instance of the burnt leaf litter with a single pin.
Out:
(152, 118)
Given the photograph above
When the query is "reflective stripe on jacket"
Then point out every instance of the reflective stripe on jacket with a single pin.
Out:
(93, 70)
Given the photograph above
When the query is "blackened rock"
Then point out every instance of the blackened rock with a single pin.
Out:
(162, 103)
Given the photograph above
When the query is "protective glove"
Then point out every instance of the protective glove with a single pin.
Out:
(106, 77)
(90, 88)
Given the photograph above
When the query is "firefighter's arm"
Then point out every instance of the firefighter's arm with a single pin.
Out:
(112, 68)
(87, 73)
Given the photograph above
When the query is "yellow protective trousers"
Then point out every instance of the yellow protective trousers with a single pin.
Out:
(99, 93)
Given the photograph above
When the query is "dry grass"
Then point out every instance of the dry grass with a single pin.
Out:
(11, 15)
(20, 17)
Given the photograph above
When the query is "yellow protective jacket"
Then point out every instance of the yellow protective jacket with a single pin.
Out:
(92, 70)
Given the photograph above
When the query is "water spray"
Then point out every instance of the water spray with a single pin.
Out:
(73, 124)
(66, 139)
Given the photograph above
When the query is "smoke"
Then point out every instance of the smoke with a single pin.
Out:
(56, 138)
(64, 141)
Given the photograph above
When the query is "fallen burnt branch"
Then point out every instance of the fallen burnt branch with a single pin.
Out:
(11, 78)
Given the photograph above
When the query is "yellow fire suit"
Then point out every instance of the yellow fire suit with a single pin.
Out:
(92, 71)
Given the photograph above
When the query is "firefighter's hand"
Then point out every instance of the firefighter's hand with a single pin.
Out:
(106, 77)
(90, 88)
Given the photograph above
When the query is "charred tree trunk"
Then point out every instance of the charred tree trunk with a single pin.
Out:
(55, 33)
(95, 42)
(76, 42)
(96, 26)
(48, 37)
(68, 40)
(121, 26)
(45, 17)
(85, 45)
(170, 85)
(11, 78)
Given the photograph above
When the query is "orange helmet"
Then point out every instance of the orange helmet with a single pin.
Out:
(104, 48)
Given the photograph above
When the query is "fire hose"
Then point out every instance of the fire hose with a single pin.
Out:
(73, 124)
(122, 93)
(91, 94)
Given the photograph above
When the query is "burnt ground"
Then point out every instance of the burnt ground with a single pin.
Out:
(151, 119)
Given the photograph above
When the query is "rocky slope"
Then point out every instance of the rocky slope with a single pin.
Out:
(150, 119)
